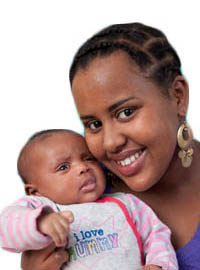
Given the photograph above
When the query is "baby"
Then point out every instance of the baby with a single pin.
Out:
(65, 186)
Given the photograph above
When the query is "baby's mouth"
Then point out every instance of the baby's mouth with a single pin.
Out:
(88, 184)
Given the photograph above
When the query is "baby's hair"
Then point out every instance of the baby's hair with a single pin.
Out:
(41, 135)
(48, 132)
(146, 46)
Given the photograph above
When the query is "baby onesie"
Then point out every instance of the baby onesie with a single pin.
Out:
(118, 231)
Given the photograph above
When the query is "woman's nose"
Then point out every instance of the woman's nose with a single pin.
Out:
(113, 139)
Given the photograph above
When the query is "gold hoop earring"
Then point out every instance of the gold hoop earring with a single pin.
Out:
(184, 138)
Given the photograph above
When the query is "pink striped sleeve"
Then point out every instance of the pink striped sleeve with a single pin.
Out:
(155, 236)
(18, 225)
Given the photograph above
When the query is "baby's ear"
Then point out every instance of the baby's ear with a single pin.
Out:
(31, 189)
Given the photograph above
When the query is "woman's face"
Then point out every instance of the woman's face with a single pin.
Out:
(130, 126)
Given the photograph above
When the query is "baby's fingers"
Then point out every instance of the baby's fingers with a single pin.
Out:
(68, 215)
(61, 233)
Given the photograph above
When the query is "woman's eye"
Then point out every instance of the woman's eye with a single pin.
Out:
(125, 113)
(64, 167)
(94, 125)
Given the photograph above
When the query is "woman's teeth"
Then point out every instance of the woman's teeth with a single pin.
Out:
(129, 160)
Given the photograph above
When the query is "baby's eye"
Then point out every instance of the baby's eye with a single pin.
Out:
(64, 167)
(125, 113)
(90, 158)
(94, 125)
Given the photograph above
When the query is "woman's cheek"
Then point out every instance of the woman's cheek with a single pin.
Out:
(93, 144)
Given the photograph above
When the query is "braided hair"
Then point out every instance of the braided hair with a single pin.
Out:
(147, 47)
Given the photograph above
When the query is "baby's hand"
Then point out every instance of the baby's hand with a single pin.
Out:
(151, 267)
(56, 225)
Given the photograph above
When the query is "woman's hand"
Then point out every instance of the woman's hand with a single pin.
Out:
(50, 258)
(151, 267)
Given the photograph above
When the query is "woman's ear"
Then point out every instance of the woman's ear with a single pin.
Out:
(180, 93)
(31, 189)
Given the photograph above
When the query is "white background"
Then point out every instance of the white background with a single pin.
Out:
(38, 39)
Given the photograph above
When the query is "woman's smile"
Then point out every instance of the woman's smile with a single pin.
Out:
(129, 162)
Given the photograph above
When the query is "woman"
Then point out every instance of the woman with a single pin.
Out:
(132, 99)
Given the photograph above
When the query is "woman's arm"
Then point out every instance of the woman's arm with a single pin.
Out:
(50, 258)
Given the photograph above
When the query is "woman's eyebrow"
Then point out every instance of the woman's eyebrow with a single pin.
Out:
(86, 117)
(110, 108)
(119, 103)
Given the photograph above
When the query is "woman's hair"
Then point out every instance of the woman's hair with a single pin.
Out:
(146, 46)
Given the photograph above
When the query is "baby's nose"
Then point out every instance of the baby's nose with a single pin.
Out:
(83, 168)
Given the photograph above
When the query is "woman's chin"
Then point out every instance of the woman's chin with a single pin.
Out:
(139, 184)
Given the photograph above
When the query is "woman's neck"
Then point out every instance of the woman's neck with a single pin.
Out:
(177, 176)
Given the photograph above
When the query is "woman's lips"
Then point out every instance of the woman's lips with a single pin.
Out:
(131, 163)
(89, 184)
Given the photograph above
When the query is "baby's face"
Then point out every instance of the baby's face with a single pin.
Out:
(62, 169)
